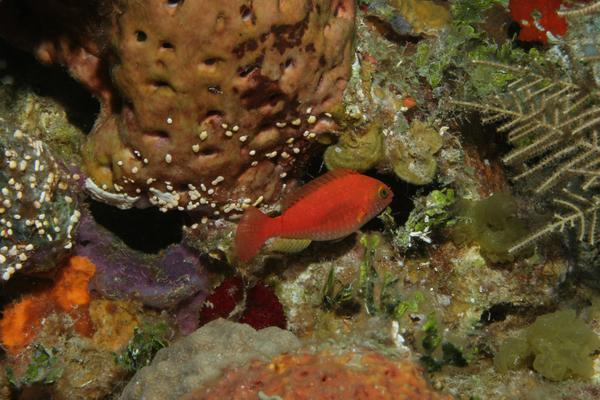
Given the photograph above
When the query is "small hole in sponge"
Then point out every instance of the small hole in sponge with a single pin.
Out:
(289, 63)
(212, 61)
(275, 98)
(247, 69)
(246, 12)
(208, 151)
(158, 134)
(167, 45)
(174, 3)
(161, 84)
(140, 36)
(214, 113)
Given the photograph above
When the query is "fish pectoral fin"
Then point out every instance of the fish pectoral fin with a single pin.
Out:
(287, 246)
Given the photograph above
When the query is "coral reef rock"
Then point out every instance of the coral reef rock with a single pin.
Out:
(157, 280)
(216, 102)
(38, 209)
(351, 375)
(202, 356)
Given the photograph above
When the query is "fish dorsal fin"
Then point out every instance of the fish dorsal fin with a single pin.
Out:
(313, 185)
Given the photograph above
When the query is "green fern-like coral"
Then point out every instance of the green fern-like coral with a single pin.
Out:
(553, 125)
(552, 120)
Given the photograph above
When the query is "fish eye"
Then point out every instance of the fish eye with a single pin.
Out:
(383, 192)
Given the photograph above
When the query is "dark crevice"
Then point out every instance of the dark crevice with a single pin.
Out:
(490, 144)
(402, 202)
(148, 230)
(52, 82)
(387, 31)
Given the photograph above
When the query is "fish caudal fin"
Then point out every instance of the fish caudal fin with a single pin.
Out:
(252, 232)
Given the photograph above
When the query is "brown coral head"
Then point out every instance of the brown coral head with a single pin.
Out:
(220, 99)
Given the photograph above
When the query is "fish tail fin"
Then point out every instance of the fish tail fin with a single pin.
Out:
(252, 232)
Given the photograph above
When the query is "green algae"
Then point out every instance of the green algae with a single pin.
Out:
(44, 367)
(339, 300)
(430, 213)
(367, 274)
(559, 344)
(492, 223)
(449, 58)
(146, 341)
(471, 11)
(378, 294)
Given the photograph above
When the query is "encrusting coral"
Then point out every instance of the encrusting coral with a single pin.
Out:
(159, 281)
(216, 102)
(38, 208)
(560, 344)
(351, 375)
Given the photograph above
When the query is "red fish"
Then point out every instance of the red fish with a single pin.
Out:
(329, 207)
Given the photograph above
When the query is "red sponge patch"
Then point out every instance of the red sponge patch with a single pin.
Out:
(536, 17)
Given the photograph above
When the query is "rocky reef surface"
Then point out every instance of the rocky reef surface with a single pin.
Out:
(201, 356)
(135, 134)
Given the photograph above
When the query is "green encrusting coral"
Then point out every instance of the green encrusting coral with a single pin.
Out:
(413, 156)
(559, 343)
(356, 151)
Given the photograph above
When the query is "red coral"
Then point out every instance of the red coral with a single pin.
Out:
(549, 21)
(223, 300)
(263, 308)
